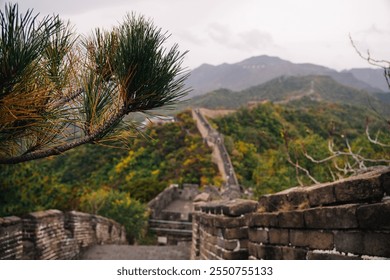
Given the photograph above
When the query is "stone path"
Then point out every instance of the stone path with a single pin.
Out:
(125, 252)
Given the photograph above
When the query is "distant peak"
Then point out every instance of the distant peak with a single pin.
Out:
(262, 59)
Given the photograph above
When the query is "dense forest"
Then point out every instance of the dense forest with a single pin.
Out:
(110, 181)
(268, 142)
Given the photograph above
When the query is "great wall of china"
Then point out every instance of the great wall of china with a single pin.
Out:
(347, 219)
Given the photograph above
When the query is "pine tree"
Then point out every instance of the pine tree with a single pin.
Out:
(59, 91)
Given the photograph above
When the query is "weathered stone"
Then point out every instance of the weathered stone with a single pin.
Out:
(290, 253)
(363, 243)
(207, 220)
(263, 204)
(230, 245)
(235, 255)
(263, 220)
(244, 243)
(238, 207)
(361, 189)
(331, 217)
(252, 250)
(270, 252)
(256, 250)
(211, 230)
(312, 239)
(230, 222)
(329, 256)
(349, 242)
(258, 235)
(374, 216)
(11, 246)
(52, 234)
(291, 199)
(322, 194)
(377, 244)
(278, 236)
(292, 219)
(213, 249)
(235, 233)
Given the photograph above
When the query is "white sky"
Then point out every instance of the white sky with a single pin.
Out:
(217, 31)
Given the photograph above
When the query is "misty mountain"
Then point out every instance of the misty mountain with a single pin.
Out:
(373, 77)
(293, 88)
(258, 70)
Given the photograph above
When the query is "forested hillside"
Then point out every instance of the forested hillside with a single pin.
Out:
(285, 89)
(111, 181)
(262, 141)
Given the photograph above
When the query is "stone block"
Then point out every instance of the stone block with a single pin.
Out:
(349, 242)
(263, 220)
(291, 199)
(229, 245)
(238, 207)
(291, 219)
(359, 189)
(270, 252)
(257, 235)
(332, 217)
(235, 233)
(322, 194)
(290, 253)
(235, 255)
(207, 220)
(363, 243)
(312, 239)
(213, 248)
(374, 216)
(278, 236)
(230, 222)
(377, 244)
(233, 208)
(252, 250)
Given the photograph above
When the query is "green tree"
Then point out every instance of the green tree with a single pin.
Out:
(58, 91)
(118, 206)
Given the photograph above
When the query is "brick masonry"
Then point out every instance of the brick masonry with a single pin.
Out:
(348, 219)
(53, 234)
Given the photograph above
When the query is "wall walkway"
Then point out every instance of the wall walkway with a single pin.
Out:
(220, 155)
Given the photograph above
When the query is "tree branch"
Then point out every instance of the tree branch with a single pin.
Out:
(94, 136)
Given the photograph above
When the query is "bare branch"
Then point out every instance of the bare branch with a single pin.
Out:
(368, 58)
(375, 141)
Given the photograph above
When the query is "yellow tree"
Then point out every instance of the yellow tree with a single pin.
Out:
(58, 91)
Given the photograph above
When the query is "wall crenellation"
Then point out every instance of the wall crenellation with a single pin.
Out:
(348, 219)
(53, 234)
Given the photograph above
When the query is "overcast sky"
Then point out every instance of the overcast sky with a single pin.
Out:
(218, 31)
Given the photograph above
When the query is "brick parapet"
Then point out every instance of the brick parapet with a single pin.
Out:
(348, 219)
(53, 234)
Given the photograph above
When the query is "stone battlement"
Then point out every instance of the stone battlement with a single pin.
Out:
(348, 219)
(53, 234)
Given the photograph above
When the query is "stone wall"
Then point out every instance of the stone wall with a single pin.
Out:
(158, 205)
(53, 234)
(348, 219)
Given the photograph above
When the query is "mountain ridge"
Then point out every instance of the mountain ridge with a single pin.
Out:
(257, 70)
(288, 88)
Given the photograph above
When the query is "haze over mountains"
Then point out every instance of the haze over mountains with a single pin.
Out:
(258, 70)
(293, 88)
